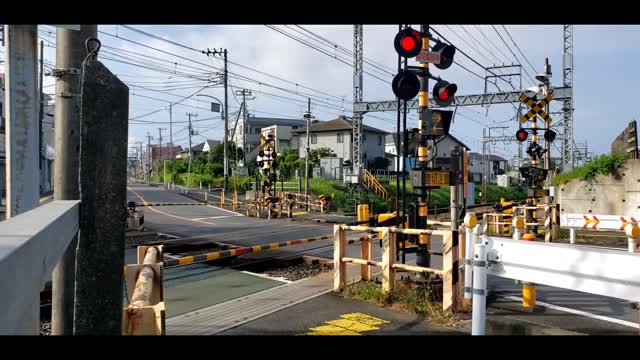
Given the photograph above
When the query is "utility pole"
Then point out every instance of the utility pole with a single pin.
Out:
(160, 147)
(21, 138)
(140, 161)
(307, 117)
(245, 117)
(224, 54)
(547, 144)
(41, 115)
(149, 138)
(190, 154)
(171, 132)
(70, 53)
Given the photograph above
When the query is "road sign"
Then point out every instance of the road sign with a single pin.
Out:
(429, 57)
(536, 108)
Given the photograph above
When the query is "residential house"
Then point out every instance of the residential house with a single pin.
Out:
(337, 136)
(489, 165)
(442, 152)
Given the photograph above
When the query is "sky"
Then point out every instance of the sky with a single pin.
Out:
(166, 65)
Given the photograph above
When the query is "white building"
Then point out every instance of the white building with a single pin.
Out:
(336, 135)
(254, 127)
(491, 166)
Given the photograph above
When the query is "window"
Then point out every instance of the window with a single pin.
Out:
(314, 138)
(364, 137)
(339, 138)
(379, 139)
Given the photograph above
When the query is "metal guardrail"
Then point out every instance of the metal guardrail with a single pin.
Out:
(32, 244)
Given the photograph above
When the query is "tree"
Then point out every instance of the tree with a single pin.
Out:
(380, 163)
(316, 154)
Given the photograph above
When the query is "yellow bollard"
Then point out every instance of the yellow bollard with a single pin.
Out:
(222, 198)
(235, 200)
(528, 289)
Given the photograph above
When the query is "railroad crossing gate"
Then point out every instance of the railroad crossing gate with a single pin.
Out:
(536, 108)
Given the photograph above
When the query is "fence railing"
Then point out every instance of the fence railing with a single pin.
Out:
(31, 245)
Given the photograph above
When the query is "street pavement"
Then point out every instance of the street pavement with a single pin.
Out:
(332, 314)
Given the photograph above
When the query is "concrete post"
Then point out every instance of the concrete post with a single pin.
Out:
(22, 153)
(103, 185)
(70, 52)
(479, 290)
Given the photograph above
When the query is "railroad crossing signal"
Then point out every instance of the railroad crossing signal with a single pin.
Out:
(443, 93)
(536, 108)
(522, 135)
(405, 85)
(408, 43)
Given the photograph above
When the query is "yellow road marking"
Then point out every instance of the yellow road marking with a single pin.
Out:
(364, 318)
(348, 324)
(164, 213)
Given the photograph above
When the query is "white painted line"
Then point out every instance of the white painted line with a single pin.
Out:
(268, 277)
(217, 217)
(169, 235)
(229, 211)
(578, 312)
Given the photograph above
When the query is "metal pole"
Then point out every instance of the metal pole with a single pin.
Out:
(422, 255)
(190, 154)
(21, 99)
(70, 52)
(470, 222)
(171, 132)
(479, 290)
(226, 122)
(307, 116)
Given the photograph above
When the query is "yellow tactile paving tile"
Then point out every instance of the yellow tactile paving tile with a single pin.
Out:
(349, 324)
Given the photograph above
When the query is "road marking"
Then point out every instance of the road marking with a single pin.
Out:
(349, 324)
(164, 213)
(579, 312)
(229, 211)
(217, 217)
(268, 277)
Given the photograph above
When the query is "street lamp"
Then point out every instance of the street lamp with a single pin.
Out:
(219, 108)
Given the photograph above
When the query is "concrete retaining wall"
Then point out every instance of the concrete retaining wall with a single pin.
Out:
(605, 194)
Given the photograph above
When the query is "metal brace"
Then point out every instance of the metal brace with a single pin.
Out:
(67, 71)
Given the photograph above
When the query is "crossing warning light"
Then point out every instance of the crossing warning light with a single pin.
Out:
(408, 43)
(444, 92)
(549, 135)
(522, 135)
(406, 85)
(446, 55)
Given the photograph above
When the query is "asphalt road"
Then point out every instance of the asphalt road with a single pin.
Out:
(225, 226)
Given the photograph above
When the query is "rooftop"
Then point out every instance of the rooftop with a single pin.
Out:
(341, 123)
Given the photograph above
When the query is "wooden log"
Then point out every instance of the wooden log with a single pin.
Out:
(417, 269)
(362, 262)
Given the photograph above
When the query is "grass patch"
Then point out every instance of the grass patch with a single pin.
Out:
(406, 296)
(604, 164)
(440, 198)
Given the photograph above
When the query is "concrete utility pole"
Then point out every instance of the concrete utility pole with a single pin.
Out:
(70, 52)
(41, 114)
(171, 132)
(245, 117)
(21, 99)
(160, 147)
(307, 117)
(149, 138)
(140, 161)
(191, 133)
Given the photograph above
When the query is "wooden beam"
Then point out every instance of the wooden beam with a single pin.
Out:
(388, 259)
(339, 251)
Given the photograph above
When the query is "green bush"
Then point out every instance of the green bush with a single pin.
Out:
(604, 164)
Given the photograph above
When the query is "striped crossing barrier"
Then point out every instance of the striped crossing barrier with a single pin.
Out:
(245, 250)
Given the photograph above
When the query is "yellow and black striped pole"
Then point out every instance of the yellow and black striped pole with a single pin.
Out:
(422, 256)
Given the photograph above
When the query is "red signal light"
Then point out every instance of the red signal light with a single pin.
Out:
(522, 135)
(444, 95)
(444, 92)
(408, 43)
